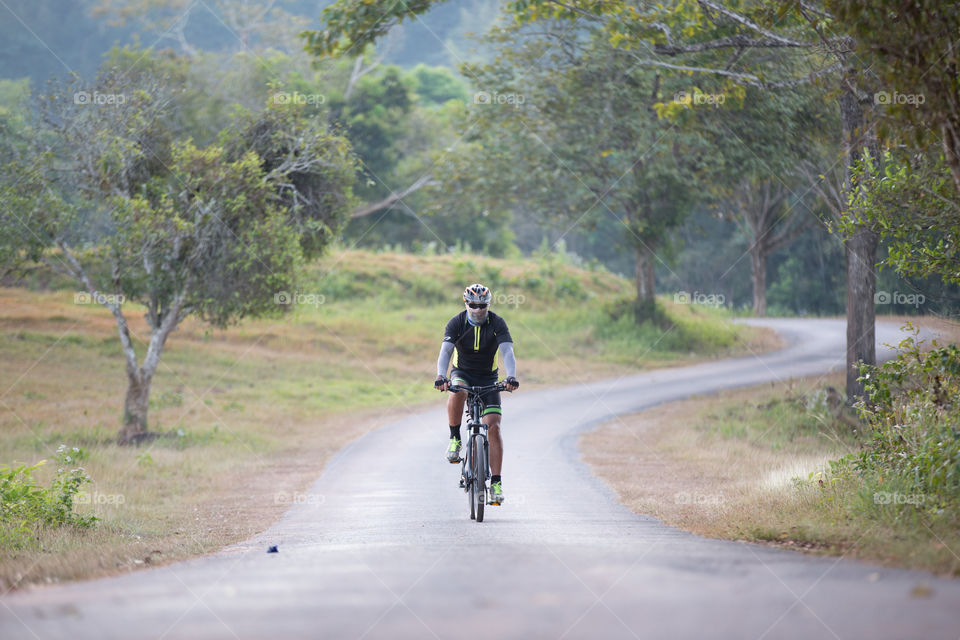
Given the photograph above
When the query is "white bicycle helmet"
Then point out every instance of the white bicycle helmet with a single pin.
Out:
(479, 297)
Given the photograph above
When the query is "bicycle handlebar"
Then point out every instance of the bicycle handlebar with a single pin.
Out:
(499, 386)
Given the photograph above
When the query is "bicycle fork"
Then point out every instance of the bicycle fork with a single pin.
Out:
(466, 473)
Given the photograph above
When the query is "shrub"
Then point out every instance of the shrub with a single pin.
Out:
(27, 509)
(915, 419)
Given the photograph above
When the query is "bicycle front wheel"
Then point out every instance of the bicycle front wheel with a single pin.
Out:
(479, 478)
(467, 473)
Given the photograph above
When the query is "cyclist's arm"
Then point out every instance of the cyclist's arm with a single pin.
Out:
(446, 350)
(509, 360)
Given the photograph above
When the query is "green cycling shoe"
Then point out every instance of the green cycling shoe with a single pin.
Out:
(495, 495)
(453, 452)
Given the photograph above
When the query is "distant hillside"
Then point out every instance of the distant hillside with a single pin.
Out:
(44, 38)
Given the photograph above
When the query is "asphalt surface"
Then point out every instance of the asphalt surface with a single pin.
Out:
(382, 547)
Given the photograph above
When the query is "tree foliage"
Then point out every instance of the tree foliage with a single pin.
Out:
(137, 214)
(913, 49)
(914, 206)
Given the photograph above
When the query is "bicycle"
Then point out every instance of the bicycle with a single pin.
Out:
(476, 460)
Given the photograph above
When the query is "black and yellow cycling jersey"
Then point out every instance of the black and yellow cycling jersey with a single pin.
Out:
(475, 347)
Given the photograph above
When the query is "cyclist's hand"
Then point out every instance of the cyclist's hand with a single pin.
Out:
(512, 383)
(441, 383)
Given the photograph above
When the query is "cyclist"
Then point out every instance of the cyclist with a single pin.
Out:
(472, 338)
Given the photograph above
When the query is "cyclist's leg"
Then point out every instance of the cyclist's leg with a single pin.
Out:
(491, 418)
(455, 401)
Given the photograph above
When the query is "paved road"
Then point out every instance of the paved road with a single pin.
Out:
(383, 548)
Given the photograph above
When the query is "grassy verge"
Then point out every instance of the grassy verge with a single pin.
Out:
(755, 464)
(249, 416)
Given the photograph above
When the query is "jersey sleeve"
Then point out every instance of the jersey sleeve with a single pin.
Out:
(502, 332)
(452, 331)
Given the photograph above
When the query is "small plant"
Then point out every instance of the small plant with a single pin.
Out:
(27, 509)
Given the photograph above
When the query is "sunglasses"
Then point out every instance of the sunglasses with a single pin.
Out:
(476, 305)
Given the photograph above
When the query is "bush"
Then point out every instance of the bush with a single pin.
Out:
(915, 420)
(27, 509)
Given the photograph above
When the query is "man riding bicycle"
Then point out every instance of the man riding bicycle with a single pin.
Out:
(472, 338)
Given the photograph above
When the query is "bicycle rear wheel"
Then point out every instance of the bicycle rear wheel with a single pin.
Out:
(479, 478)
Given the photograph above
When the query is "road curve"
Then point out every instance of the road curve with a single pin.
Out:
(382, 547)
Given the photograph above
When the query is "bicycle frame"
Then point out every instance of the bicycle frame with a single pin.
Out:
(476, 460)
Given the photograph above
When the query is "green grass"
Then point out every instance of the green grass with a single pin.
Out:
(788, 423)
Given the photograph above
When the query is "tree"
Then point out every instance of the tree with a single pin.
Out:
(579, 158)
(909, 193)
(137, 216)
(769, 224)
(15, 130)
(913, 49)
(757, 139)
(728, 40)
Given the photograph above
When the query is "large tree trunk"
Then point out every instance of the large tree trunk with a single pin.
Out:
(646, 292)
(861, 252)
(861, 255)
(135, 405)
(758, 276)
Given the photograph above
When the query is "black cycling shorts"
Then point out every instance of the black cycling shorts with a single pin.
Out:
(490, 399)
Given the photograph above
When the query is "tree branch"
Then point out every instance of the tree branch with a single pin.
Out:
(114, 307)
(738, 41)
(425, 180)
(736, 17)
